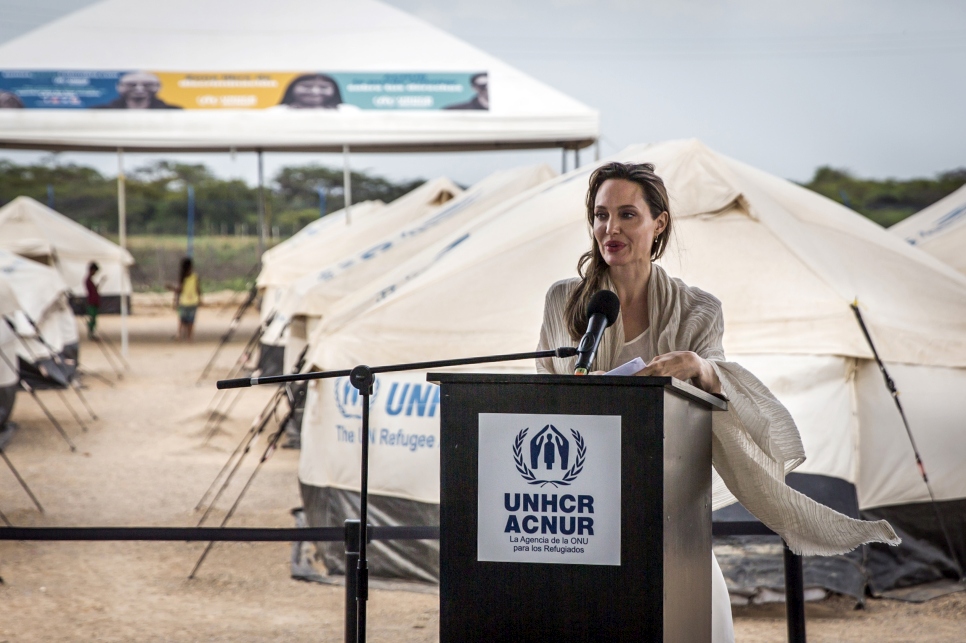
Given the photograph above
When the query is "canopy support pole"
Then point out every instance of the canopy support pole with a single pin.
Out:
(347, 184)
(122, 241)
(261, 206)
(597, 150)
(576, 157)
(563, 160)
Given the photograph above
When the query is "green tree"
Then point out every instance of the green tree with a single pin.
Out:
(886, 202)
(296, 188)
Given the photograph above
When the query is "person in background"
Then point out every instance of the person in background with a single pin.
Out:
(312, 91)
(187, 299)
(93, 300)
(9, 100)
(138, 90)
(480, 84)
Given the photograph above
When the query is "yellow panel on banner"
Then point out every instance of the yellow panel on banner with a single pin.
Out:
(224, 90)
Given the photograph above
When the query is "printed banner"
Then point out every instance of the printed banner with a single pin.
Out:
(403, 436)
(343, 91)
(549, 489)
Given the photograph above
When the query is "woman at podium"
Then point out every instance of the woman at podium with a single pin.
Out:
(677, 331)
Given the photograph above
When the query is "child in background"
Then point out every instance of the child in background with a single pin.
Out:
(187, 299)
(93, 300)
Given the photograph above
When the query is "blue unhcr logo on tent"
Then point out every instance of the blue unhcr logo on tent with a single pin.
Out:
(348, 399)
(549, 450)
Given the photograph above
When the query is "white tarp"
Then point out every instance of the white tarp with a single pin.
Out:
(238, 42)
(312, 297)
(33, 230)
(358, 271)
(9, 371)
(292, 273)
(284, 263)
(287, 261)
(785, 262)
(41, 294)
(36, 287)
(939, 229)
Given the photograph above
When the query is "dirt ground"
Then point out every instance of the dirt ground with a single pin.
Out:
(142, 462)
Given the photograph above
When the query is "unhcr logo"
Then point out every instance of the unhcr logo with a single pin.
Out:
(549, 458)
(348, 398)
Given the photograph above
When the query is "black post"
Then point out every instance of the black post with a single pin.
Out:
(794, 596)
(352, 532)
(362, 379)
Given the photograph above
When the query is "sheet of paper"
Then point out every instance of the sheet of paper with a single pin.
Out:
(629, 368)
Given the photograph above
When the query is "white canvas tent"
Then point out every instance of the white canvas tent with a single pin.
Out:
(9, 371)
(939, 229)
(292, 258)
(786, 263)
(43, 312)
(31, 229)
(398, 246)
(314, 296)
(299, 254)
(288, 274)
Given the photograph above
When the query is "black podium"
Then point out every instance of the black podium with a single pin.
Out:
(574, 508)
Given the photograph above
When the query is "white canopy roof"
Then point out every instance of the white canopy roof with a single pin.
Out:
(31, 229)
(939, 229)
(785, 262)
(245, 36)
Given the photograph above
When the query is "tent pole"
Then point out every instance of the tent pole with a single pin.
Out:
(891, 387)
(122, 241)
(597, 150)
(576, 157)
(261, 205)
(191, 221)
(563, 160)
(347, 184)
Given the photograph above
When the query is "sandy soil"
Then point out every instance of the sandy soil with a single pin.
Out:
(143, 463)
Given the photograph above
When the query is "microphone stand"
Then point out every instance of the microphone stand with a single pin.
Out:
(362, 378)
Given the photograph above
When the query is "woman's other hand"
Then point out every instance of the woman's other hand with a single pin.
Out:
(684, 365)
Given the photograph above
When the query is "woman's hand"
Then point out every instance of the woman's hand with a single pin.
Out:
(684, 365)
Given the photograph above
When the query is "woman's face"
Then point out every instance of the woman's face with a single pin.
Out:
(623, 226)
(313, 92)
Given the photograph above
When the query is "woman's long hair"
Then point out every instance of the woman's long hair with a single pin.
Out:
(591, 267)
(185, 271)
(330, 103)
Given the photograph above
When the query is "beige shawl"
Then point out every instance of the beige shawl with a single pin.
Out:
(754, 444)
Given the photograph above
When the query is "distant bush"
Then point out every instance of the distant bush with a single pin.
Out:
(885, 202)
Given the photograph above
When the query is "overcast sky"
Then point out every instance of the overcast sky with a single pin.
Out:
(874, 86)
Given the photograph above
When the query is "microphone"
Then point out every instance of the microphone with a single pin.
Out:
(602, 311)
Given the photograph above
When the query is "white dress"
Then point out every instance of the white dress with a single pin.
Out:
(722, 627)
